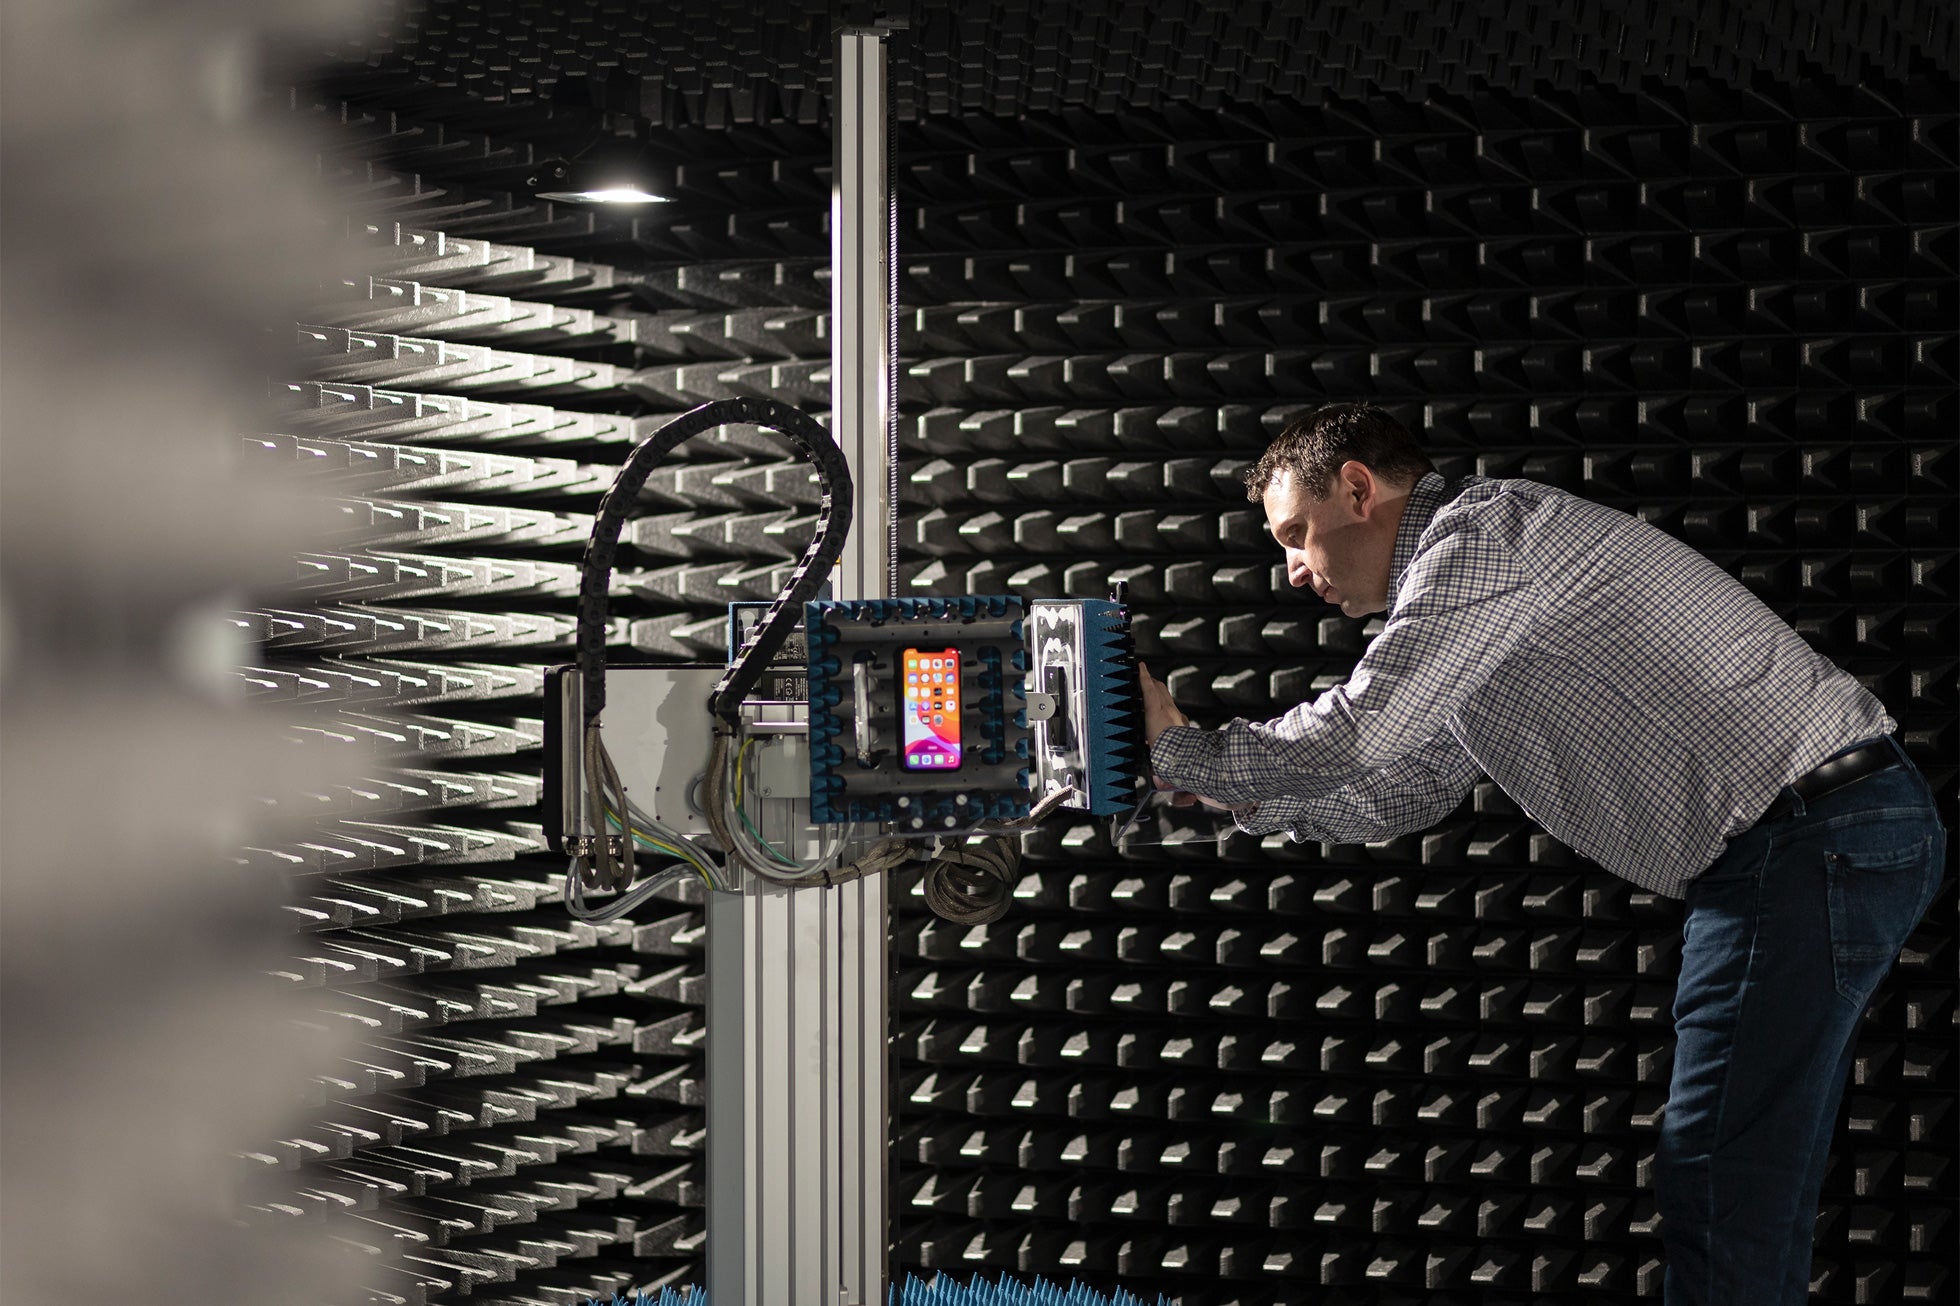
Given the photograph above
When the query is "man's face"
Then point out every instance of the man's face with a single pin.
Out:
(1337, 546)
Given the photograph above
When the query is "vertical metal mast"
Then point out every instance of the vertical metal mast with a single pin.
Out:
(798, 1045)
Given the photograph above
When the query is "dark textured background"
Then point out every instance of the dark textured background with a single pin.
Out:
(1707, 275)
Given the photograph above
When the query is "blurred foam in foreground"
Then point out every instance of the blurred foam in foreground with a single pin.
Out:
(154, 227)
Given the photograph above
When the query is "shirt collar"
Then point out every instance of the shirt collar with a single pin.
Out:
(1424, 499)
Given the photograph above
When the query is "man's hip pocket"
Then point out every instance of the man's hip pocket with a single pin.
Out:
(1878, 890)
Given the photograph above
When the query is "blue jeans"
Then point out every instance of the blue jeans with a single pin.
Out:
(1787, 935)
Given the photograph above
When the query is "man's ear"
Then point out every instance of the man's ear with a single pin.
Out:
(1357, 485)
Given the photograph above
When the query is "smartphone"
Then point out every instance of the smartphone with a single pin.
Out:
(929, 695)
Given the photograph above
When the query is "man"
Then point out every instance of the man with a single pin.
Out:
(1650, 712)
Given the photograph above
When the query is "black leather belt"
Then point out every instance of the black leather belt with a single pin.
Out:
(1828, 777)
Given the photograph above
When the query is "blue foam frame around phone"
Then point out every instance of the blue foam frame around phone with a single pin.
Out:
(826, 693)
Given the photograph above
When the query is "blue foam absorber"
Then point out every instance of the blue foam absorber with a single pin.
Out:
(844, 787)
(944, 1290)
(940, 1290)
(1114, 708)
(667, 1297)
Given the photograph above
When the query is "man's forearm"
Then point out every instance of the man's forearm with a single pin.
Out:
(1233, 765)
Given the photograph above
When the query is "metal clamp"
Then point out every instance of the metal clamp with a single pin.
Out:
(861, 703)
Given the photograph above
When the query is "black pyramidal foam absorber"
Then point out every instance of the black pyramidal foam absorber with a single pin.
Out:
(1234, 1069)
(1430, 1068)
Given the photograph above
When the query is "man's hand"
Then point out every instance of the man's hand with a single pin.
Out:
(1179, 798)
(1159, 712)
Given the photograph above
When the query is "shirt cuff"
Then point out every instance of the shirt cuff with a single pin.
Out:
(1181, 754)
(1269, 815)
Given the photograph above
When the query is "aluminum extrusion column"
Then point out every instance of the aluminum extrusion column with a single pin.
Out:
(798, 1046)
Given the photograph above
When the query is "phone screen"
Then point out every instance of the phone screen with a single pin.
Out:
(929, 699)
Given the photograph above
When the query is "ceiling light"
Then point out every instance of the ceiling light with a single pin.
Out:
(593, 181)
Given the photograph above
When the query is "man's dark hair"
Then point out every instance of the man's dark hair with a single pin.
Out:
(1314, 447)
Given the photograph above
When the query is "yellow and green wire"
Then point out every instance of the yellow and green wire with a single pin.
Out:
(644, 840)
(687, 855)
(741, 757)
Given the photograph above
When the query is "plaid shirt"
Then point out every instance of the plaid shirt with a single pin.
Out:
(1634, 699)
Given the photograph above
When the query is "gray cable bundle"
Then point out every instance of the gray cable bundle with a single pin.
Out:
(972, 882)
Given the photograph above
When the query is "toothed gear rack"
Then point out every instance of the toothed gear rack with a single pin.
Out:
(1050, 687)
